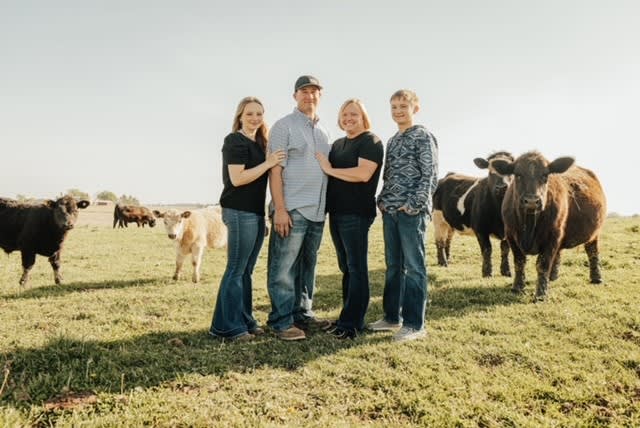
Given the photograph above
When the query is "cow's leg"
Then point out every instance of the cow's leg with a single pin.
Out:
(442, 232)
(447, 246)
(519, 261)
(593, 252)
(441, 251)
(196, 260)
(55, 264)
(555, 267)
(485, 249)
(543, 266)
(180, 256)
(28, 260)
(504, 258)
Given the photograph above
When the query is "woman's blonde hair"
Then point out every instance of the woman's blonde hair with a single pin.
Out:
(262, 134)
(365, 116)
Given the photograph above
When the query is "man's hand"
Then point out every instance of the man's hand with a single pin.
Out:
(282, 222)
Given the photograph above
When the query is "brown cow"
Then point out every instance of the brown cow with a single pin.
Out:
(550, 206)
(125, 214)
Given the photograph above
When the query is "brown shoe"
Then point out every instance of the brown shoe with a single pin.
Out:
(244, 338)
(257, 331)
(292, 333)
(313, 323)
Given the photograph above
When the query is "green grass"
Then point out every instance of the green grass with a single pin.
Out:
(121, 344)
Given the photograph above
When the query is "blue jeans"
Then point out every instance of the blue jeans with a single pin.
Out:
(405, 285)
(350, 235)
(291, 274)
(233, 315)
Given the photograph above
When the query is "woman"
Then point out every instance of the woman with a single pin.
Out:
(353, 167)
(244, 174)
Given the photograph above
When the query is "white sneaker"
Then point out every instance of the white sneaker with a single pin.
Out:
(383, 325)
(407, 333)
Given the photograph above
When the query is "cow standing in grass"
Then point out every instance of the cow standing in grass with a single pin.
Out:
(125, 214)
(37, 229)
(192, 232)
(472, 205)
(550, 206)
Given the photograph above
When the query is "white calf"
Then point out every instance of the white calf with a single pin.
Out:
(193, 231)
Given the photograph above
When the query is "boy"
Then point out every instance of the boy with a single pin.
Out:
(410, 178)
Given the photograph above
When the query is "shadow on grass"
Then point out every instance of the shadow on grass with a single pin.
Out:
(443, 302)
(152, 360)
(80, 286)
(165, 358)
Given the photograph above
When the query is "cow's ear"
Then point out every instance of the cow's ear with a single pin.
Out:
(481, 163)
(83, 204)
(502, 166)
(186, 214)
(49, 203)
(158, 214)
(560, 165)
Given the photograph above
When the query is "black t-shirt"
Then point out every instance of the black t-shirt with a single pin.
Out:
(240, 150)
(344, 197)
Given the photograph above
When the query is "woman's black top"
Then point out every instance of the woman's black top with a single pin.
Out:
(238, 149)
(344, 197)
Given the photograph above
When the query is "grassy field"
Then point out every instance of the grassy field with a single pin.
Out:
(121, 344)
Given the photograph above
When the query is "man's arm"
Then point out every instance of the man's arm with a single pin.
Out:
(279, 140)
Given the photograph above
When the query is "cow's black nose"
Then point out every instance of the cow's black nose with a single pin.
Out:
(172, 236)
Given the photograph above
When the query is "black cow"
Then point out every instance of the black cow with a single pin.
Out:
(464, 204)
(550, 206)
(37, 229)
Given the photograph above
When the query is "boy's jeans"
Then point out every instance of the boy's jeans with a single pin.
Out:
(405, 288)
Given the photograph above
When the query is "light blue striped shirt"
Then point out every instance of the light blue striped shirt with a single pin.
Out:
(305, 185)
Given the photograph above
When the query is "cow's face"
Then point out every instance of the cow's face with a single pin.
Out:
(173, 222)
(65, 211)
(497, 182)
(531, 175)
(151, 220)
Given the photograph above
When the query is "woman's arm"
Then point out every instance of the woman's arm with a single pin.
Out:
(240, 176)
(358, 174)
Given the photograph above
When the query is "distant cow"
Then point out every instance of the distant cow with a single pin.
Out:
(125, 214)
(469, 204)
(548, 207)
(192, 231)
(37, 229)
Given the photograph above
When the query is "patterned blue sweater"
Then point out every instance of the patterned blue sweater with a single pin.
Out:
(410, 172)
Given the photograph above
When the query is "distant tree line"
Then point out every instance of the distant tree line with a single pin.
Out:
(105, 195)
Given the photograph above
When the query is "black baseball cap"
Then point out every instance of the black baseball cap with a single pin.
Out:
(306, 80)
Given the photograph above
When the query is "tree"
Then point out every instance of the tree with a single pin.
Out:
(106, 195)
(78, 194)
(128, 200)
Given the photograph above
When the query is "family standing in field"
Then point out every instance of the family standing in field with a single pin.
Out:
(309, 177)
(533, 206)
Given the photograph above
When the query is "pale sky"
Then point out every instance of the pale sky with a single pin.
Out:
(136, 96)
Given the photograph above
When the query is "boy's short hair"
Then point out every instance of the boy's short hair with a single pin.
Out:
(406, 94)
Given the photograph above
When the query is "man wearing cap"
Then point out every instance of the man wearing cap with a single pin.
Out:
(298, 190)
